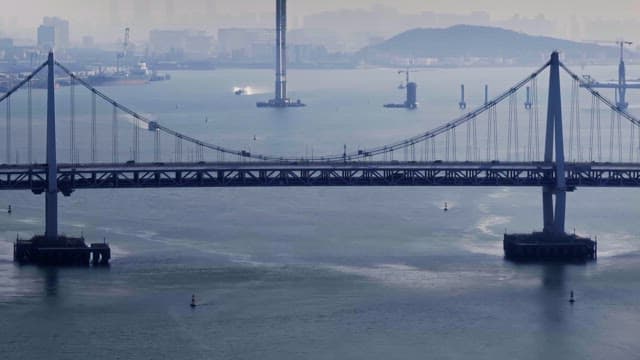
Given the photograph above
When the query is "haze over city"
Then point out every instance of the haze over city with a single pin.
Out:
(572, 19)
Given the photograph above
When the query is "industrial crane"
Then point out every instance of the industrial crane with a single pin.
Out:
(125, 47)
(407, 71)
(621, 86)
(411, 87)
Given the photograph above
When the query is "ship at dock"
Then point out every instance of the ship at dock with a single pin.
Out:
(137, 75)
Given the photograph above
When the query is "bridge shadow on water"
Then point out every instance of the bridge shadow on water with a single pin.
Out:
(555, 309)
(52, 280)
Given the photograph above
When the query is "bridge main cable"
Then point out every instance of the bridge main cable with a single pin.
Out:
(337, 157)
(446, 127)
(163, 128)
(23, 82)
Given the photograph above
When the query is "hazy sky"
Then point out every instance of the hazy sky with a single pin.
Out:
(87, 16)
(34, 9)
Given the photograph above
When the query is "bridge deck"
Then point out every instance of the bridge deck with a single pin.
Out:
(259, 174)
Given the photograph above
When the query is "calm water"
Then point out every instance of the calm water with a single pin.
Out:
(317, 273)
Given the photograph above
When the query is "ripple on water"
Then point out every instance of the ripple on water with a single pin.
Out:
(487, 224)
(413, 277)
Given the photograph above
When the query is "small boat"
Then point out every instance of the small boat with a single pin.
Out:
(446, 208)
(193, 301)
(9, 209)
(571, 298)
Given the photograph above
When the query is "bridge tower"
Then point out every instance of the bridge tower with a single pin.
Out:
(52, 248)
(51, 193)
(553, 242)
(554, 221)
(281, 100)
(621, 94)
(281, 51)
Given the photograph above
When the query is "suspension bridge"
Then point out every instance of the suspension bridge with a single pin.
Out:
(474, 149)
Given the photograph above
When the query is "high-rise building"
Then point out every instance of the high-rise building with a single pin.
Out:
(53, 33)
(6, 44)
(243, 40)
(46, 37)
(192, 44)
(163, 41)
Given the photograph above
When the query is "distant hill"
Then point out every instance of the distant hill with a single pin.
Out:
(467, 41)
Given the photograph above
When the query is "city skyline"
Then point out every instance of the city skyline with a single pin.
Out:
(102, 19)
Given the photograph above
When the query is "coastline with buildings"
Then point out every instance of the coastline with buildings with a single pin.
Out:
(324, 40)
(340, 39)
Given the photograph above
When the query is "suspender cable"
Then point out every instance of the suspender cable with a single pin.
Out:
(611, 131)
(8, 129)
(72, 121)
(510, 126)
(572, 116)
(632, 141)
(93, 128)
(178, 149)
(114, 134)
(476, 155)
(156, 145)
(536, 117)
(467, 155)
(618, 124)
(578, 126)
(516, 140)
(29, 123)
(365, 153)
(135, 147)
(489, 132)
(592, 120)
(433, 148)
(495, 132)
(413, 152)
(598, 131)
(447, 141)
(529, 108)
(454, 149)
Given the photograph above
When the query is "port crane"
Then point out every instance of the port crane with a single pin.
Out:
(125, 47)
(622, 84)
